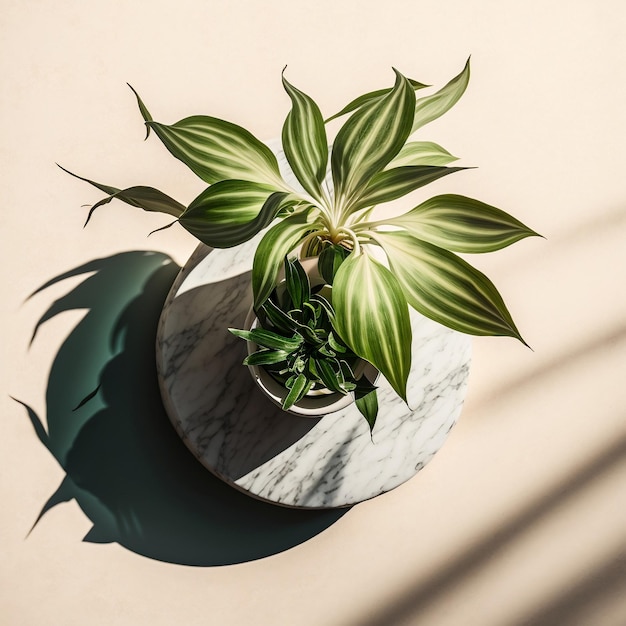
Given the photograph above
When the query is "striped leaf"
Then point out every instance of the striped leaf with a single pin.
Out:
(445, 288)
(372, 317)
(421, 153)
(272, 249)
(266, 357)
(371, 97)
(431, 107)
(299, 389)
(462, 224)
(217, 150)
(392, 184)
(371, 138)
(233, 211)
(304, 141)
(268, 339)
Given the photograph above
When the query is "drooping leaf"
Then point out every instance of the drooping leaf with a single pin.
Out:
(146, 198)
(462, 224)
(298, 390)
(304, 141)
(330, 260)
(272, 249)
(431, 107)
(233, 211)
(268, 339)
(421, 153)
(392, 184)
(372, 317)
(266, 357)
(366, 401)
(444, 287)
(370, 139)
(217, 150)
(371, 97)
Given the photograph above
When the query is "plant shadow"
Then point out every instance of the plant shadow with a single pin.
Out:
(125, 465)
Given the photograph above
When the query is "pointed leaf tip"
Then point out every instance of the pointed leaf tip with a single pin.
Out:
(144, 111)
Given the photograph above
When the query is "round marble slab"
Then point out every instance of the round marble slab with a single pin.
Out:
(243, 438)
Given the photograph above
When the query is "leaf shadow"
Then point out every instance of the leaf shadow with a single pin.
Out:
(125, 465)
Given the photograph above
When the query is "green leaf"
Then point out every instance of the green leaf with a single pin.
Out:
(371, 97)
(297, 281)
(216, 150)
(431, 107)
(421, 153)
(278, 317)
(146, 198)
(144, 111)
(372, 317)
(272, 249)
(442, 286)
(330, 260)
(370, 139)
(334, 344)
(233, 211)
(462, 224)
(392, 184)
(299, 389)
(268, 339)
(328, 376)
(367, 403)
(304, 141)
(266, 357)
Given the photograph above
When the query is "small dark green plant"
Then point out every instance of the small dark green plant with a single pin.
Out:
(298, 344)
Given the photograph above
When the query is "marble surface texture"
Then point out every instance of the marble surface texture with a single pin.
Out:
(243, 438)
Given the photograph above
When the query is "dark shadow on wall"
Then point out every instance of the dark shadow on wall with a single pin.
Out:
(106, 426)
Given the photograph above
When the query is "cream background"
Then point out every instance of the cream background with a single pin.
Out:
(510, 523)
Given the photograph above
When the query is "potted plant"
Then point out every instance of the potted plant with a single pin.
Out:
(380, 267)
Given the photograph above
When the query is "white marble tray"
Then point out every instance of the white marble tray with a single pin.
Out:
(244, 439)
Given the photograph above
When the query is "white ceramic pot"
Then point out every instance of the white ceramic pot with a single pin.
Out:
(317, 402)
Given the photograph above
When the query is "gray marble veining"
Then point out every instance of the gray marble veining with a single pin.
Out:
(243, 438)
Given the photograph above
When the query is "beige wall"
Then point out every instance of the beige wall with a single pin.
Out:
(521, 517)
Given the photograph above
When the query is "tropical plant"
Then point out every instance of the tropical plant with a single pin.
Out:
(299, 347)
(372, 162)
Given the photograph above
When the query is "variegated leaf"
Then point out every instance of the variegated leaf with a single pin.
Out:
(370, 139)
(233, 211)
(462, 224)
(421, 153)
(392, 184)
(372, 317)
(272, 249)
(431, 107)
(215, 149)
(369, 98)
(304, 141)
(442, 286)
